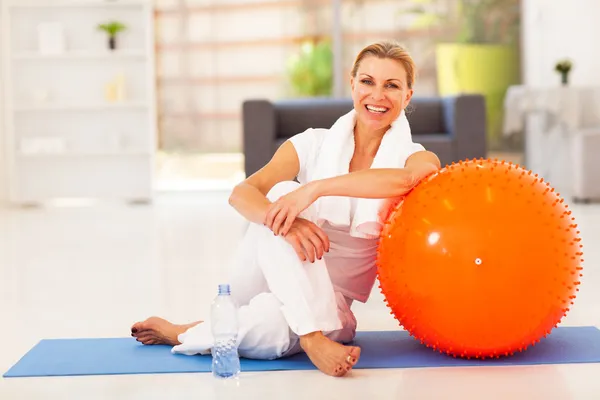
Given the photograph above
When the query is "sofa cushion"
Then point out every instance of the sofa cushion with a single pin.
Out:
(426, 117)
(294, 116)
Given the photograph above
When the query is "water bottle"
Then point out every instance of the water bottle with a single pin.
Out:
(225, 359)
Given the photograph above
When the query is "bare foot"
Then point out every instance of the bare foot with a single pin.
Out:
(330, 357)
(156, 330)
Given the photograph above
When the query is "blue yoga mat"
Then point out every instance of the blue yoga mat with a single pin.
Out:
(384, 349)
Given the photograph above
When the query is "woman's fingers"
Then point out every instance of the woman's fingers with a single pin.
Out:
(303, 246)
(289, 221)
(309, 248)
(279, 220)
(322, 236)
(271, 214)
(295, 242)
(308, 240)
(317, 244)
(275, 218)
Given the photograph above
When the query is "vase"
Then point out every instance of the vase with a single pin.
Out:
(564, 78)
(487, 69)
(112, 43)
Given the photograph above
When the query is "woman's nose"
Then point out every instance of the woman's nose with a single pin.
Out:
(377, 93)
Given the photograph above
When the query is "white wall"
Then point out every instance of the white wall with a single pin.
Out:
(555, 29)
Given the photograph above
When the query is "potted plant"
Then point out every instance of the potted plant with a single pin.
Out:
(482, 57)
(563, 67)
(112, 28)
(310, 71)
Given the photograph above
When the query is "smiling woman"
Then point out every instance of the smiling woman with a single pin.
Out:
(382, 81)
(310, 250)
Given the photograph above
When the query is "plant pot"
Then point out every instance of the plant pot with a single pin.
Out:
(112, 42)
(485, 69)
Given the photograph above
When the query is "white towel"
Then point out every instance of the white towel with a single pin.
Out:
(335, 156)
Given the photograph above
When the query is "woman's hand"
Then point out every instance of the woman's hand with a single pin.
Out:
(282, 213)
(388, 206)
(309, 241)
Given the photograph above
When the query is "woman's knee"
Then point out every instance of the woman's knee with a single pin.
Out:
(281, 189)
(266, 333)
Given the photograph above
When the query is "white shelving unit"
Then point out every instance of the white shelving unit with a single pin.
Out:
(65, 135)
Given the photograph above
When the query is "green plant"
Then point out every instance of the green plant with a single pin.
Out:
(563, 67)
(112, 28)
(310, 71)
(475, 21)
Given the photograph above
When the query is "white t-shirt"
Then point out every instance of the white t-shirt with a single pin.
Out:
(351, 261)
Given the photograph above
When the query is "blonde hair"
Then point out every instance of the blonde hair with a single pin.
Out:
(392, 50)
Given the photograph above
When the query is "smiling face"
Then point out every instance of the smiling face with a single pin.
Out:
(380, 91)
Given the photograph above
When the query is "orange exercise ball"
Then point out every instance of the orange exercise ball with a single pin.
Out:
(482, 259)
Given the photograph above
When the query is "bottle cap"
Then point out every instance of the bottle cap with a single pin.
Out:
(224, 288)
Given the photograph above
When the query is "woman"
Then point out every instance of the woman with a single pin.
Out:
(310, 249)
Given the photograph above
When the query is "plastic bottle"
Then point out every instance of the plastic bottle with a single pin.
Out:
(225, 358)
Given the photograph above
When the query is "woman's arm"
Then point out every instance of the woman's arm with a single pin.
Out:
(249, 197)
(372, 183)
(379, 183)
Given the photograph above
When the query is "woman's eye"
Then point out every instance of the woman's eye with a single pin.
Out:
(370, 82)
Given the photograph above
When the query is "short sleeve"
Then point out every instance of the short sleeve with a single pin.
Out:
(307, 145)
(416, 147)
(412, 149)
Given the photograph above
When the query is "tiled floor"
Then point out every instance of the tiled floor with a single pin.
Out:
(92, 271)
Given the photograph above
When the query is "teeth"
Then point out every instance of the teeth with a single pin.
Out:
(377, 109)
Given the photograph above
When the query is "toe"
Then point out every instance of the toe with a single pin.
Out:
(340, 371)
(135, 327)
(139, 326)
(144, 339)
(354, 355)
(150, 323)
(141, 333)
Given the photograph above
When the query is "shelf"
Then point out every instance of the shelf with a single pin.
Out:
(236, 6)
(64, 137)
(80, 107)
(257, 5)
(85, 154)
(81, 55)
(296, 40)
(78, 3)
(221, 80)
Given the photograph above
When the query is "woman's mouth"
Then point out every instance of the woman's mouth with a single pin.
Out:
(376, 109)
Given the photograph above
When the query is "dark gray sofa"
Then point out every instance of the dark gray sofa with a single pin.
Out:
(452, 127)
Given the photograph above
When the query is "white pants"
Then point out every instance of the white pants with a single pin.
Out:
(280, 297)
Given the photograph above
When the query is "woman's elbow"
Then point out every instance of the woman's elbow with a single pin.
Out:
(233, 196)
(404, 182)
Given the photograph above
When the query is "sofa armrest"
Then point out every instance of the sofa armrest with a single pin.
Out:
(259, 123)
(465, 118)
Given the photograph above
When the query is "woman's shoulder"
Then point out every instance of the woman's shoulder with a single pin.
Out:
(310, 139)
(315, 133)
